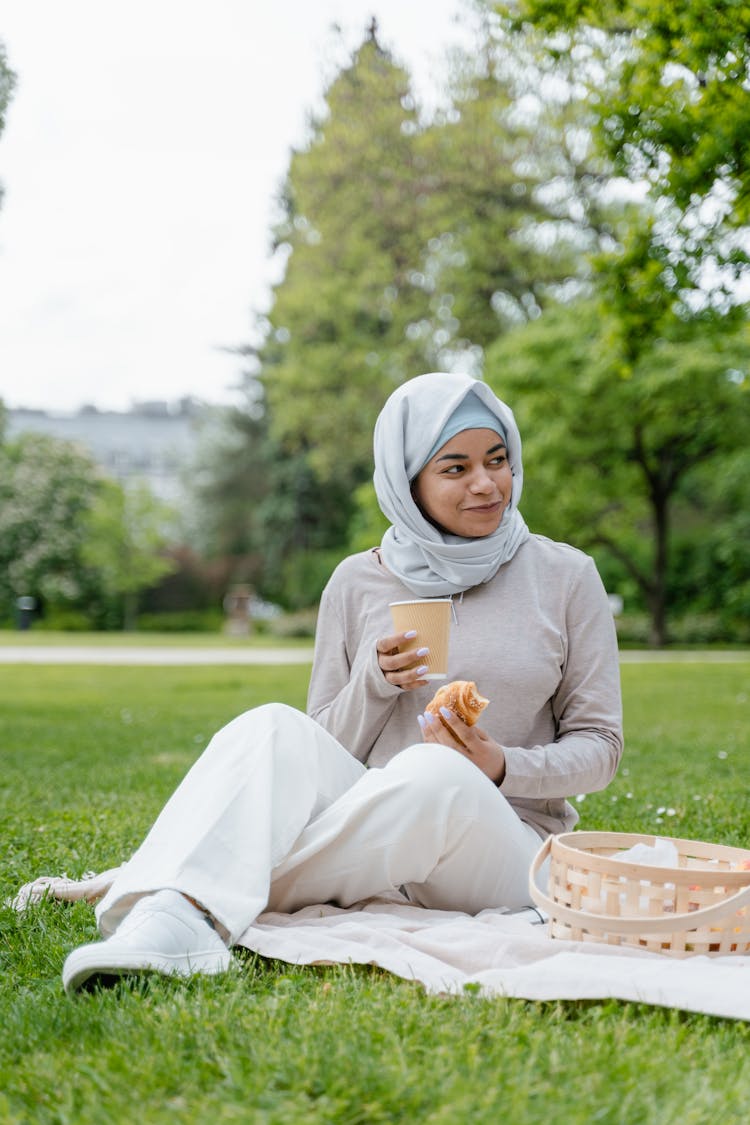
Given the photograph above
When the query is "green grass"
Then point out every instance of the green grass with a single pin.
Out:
(88, 756)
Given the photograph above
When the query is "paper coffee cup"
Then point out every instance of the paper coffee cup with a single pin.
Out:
(431, 617)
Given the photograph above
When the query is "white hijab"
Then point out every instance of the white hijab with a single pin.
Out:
(429, 562)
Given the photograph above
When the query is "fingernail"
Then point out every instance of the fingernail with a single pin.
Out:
(422, 669)
(428, 717)
(420, 720)
(422, 651)
(411, 634)
(445, 713)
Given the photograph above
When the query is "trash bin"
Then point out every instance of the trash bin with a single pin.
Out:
(25, 608)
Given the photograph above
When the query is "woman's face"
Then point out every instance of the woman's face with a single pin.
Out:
(465, 488)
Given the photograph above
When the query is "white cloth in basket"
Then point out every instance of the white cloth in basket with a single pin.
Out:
(662, 853)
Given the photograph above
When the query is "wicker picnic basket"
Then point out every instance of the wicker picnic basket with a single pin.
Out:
(700, 906)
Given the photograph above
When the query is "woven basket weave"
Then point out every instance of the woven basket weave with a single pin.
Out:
(700, 906)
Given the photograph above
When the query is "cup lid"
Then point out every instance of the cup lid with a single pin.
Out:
(423, 601)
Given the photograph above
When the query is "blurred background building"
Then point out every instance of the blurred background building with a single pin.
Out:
(152, 442)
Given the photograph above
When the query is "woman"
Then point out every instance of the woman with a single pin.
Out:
(283, 810)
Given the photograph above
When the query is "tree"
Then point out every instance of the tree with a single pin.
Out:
(675, 118)
(681, 92)
(611, 456)
(721, 578)
(657, 368)
(46, 487)
(256, 506)
(125, 533)
(71, 538)
(520, 197)
(336, 341)
(227, 478)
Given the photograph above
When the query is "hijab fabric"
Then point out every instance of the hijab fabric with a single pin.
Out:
(433, 563)
(471, 414)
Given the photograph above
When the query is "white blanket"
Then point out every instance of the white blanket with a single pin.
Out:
(501, 954)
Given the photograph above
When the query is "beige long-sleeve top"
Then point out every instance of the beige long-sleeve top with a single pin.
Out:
(538, 639)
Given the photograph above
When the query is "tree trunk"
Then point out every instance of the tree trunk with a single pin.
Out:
(658, 590)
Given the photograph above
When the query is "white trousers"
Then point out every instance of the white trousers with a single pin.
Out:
(277, 815)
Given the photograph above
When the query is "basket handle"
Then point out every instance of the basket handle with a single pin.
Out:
(614, 924)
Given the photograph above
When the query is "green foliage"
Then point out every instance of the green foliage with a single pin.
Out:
(228, 478)
(72, 539)
(654, 409)
(46, 487)
(90, 755)
(368, 524)
(715, 568)
(63, 620)
(518, 204)
(304, 575)
(681, 90)
(676, 118)
(194, 584)
(611, 457)
(335, 340)
(126, 532)
(258, 508)
(181, 621)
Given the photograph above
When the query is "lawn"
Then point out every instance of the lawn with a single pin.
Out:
(88, 756)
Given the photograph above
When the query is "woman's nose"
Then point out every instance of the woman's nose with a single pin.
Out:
(481, 481)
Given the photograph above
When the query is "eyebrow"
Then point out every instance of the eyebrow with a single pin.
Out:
(465, 456)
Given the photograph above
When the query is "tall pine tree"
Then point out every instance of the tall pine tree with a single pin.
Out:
(337, 339)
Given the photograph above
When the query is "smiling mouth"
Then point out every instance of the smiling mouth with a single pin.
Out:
(485, 507)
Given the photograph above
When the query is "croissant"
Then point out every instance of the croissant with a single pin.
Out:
(462, 697)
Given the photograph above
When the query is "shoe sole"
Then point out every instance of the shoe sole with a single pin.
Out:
(86, 967)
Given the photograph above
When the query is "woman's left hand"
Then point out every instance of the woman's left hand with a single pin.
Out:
(474, 743)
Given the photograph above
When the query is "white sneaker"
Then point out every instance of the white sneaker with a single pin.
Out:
(163, 933)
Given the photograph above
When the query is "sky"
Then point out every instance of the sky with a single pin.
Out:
(143, 151)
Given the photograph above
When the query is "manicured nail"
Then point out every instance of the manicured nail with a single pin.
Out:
(422, 669)
(420, 720)
(445, 713)
(422, 652)
(428, 717)
(411, 634)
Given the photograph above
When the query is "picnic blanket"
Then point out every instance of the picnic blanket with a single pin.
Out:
(495, 952)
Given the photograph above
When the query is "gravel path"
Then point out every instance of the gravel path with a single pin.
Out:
(92, 654)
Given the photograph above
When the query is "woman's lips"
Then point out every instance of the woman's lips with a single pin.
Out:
(485, 507)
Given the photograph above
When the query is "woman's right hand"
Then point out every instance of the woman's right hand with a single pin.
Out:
(402, 669)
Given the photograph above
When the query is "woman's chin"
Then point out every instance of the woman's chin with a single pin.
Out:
(477, 528)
